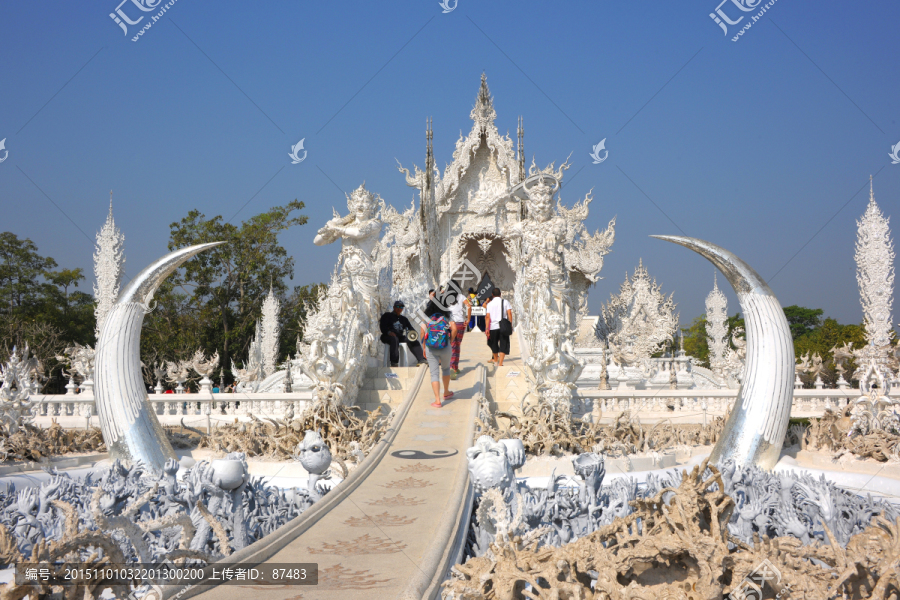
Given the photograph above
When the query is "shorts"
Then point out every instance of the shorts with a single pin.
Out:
(498, 342)
(438, 361)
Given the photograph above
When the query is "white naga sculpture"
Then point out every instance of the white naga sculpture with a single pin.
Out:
(80, 359)
(205, 367)
(875, 276)
(178, 373)
(639, 320)
(270, 332)
(250, 377)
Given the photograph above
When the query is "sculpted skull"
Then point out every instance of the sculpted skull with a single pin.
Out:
(314, 455)
(489, 465)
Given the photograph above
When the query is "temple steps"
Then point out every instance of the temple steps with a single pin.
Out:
(385, 387)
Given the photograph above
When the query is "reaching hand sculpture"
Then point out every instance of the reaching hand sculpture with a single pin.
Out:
(129, 425)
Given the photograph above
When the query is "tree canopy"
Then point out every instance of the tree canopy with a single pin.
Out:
(811, 334)
(696, 342)
(212, 302)
(803, 320)
(39, 304)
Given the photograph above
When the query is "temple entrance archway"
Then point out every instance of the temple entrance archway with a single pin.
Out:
(488, 253)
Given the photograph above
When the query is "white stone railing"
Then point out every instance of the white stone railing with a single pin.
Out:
(239, 404)
(806, 403)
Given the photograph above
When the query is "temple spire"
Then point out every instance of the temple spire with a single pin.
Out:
(109, 258)
(521, 148)
(483, 112)
(875, 274)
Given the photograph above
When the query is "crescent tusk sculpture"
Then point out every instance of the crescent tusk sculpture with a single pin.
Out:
(129, 425)
(755, 430)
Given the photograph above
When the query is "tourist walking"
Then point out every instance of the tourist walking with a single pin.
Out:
(473, 297)
(499, 327)
(394, 327)
(438, 334)
(460, 312)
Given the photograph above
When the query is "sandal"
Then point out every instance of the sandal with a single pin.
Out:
(448, 395)
(436, 405)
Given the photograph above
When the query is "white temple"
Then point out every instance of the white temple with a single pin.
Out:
(486, 215)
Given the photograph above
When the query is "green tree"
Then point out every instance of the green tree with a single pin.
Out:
(40, 305)
(802, 320)
(215, 298)
(294, 310)
(821, 340)
(22, 275)
(696, 340)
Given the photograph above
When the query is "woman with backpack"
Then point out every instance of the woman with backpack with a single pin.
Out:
(438, 335)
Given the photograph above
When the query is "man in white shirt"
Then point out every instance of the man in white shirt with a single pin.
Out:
(497, 340)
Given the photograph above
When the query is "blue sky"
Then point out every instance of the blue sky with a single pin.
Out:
(764, 145)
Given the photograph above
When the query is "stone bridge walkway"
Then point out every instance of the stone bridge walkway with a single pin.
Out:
(396, 534)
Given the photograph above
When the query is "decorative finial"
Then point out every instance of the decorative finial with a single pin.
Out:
(483, 112)
(871, 190)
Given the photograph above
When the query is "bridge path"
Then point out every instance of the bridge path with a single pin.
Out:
(397, 533)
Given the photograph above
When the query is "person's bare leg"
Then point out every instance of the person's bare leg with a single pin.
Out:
(446, 384)
(436, 386)
(501, 355)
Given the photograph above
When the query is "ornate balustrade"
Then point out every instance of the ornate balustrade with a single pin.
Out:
(806, 403)
(267, 404)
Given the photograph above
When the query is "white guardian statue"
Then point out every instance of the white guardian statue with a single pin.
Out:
(341, 331)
